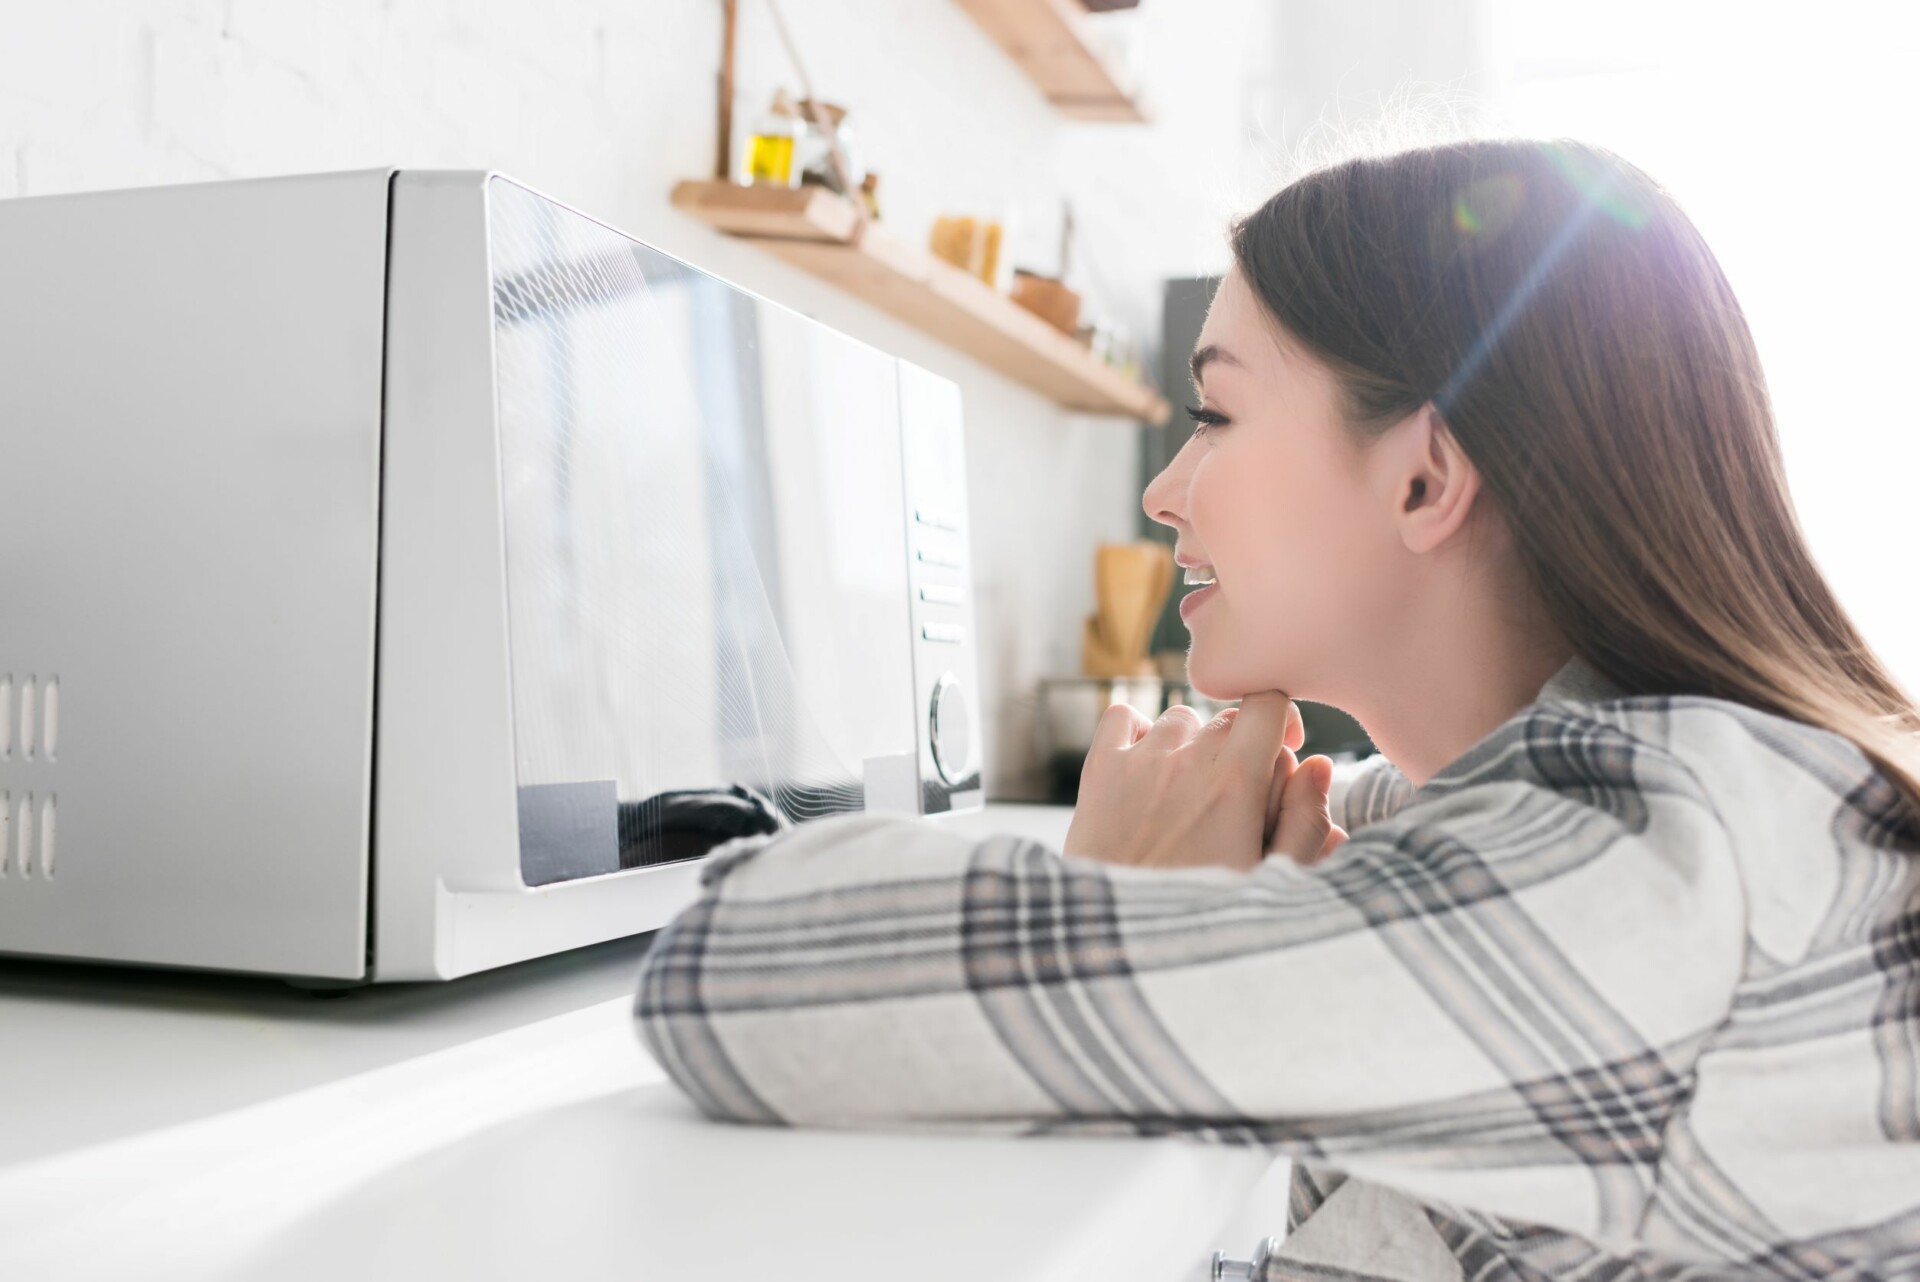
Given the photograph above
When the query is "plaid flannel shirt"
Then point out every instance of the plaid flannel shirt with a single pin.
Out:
(1631, 988)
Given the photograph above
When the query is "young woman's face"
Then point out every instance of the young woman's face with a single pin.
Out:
(1275, 495)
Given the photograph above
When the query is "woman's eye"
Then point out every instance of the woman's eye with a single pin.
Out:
(1204, 420)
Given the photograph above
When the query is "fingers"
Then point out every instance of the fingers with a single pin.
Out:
(1305, 824)
(1259, 732)
(1120, 726)
(1124, 726)
(1282, 771)
(1296, 731)
(1175, 727)
(1332, 843)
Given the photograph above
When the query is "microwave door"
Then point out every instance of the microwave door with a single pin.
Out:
(705, 551)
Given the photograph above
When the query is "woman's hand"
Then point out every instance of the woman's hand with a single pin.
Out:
(1178, 793)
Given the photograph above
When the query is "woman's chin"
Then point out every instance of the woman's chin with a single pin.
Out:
(1204, 679)
(1225, 682)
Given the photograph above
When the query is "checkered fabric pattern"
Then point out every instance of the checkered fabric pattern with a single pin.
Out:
(1631, 988)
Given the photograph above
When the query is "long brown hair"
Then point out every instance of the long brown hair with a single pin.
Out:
(1582, 345)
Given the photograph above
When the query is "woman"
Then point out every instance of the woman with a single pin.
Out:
(1613, 968)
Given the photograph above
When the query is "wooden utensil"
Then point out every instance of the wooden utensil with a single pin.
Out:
(1131, 581)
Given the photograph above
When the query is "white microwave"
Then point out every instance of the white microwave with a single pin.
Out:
(406, 574)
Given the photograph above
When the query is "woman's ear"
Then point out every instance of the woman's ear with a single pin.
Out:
(1437, 485)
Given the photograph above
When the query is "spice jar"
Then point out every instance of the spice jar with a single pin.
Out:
(771, 150)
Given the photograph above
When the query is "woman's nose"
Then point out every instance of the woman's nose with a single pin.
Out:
(1165, 497)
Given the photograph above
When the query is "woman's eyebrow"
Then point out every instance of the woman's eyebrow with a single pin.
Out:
(1211, 352)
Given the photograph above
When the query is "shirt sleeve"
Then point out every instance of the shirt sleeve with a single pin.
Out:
(1501, 986)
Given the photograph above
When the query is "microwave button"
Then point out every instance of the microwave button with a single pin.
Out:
(940, 593)
(948, 728)
(943, 632)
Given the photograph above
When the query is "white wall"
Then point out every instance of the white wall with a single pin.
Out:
(1788, 142)
(605, 103)
(1367, 75)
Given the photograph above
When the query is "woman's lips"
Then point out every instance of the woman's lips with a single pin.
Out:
(1191, 601)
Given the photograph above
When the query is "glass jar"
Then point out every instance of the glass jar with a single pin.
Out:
(771, 151)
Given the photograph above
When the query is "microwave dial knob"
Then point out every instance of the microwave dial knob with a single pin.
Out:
(950, 729)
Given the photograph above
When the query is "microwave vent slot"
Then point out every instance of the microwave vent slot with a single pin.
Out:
(29, 736)
(27, 720)
(50, 718)
(29, 717)
(27, 828)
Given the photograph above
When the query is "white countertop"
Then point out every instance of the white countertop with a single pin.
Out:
(157, 1125)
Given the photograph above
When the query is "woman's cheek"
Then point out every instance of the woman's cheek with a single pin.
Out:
(1294, 566)
(1245, 520)
(1230, 502)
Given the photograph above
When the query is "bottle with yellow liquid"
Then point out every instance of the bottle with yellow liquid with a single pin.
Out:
(770, 151)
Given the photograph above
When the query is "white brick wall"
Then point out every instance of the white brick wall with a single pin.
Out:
(605, 103)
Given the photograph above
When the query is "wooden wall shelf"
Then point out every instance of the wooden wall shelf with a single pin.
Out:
(821, 233)
(1047, 38)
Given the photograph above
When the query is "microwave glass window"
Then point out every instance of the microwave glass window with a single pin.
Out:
(705, 550)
